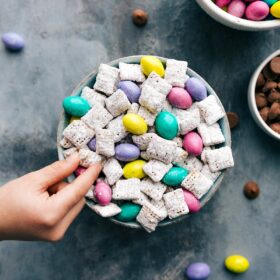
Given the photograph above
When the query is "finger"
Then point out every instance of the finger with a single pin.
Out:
(75, 191)
(57, 187)
(56, 172)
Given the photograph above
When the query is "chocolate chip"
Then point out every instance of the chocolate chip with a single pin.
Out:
(274, 96)
(233, 119)
(275, 127)
(275, 65)
(260, 80)
(139, 17)
(251, 190)
(274, 111)
(261, 100)
(269, 85)
(268, 73)
(264, 113)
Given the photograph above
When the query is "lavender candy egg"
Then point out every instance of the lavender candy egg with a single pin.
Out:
(102, 193)
(92, 144)
(131, 90)
(13, 41)
(196, 88)
(198, 271)
(126, 152)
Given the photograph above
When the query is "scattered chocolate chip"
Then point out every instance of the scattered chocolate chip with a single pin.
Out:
(139, 17)
(275, 65)
(274, 111)
(274, 96)
(233, 119)
(260, 80)
(261, 100)
(269, 85)
(275, 127)
(251, 190)
(264, 113)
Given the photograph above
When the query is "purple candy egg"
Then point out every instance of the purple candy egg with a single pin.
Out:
(92, 144)
(198, 271)
(13, 41)
(196, 88)
(126, 152)
(131, 90)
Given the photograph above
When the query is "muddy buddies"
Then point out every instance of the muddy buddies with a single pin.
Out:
(156, 133)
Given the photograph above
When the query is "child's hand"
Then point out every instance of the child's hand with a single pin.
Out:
(40, 205)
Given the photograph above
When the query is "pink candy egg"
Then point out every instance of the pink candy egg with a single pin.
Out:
(222, 3)
(102, 193)
(257, 10)
(192, 143)
(192, 202)
(179, 98)
(237, 8)
(79, 171)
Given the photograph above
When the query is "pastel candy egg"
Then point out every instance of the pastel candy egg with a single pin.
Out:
(135, 124)
(102, 193)
(192, 202)
(166, 125)
(179, 98)
(13, 41)
(134, 169)
(237, 263)
(126, 152)
(196, 88)
(275, 9)
(75, 106)
(79, 171)
(175, 176)
(257, 10)
(131, 90)
(192, 143)
(198, 271)
(237, 8)
(222, 3)
(151, 64)
(92, 144)
(129, 212)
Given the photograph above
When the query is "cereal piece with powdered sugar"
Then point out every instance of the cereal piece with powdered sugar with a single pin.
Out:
(197, 183)
(88, 157)
(191, 163)
(188, 119)
(92, 96)
(97, 117)
(209, 174)
(175, 204)
(211, 109)
(112, 170)
(158, 83)
(142, 199)
(160, 205)
(133, 108)
(109, 210)
(127, 189)
(219, 159)
(156, 169)
(154, 190)
(131, 72)
(107, 79)
(180, 155)
(116, 125)
(202, 155)
(144, 155)
(161, 149)
(117, 103)
(69, 152)
(90, 195)
(175, 72)
(151, 99)
(211, 134)
(178, 141)
(167, 106)
(105, 142)
(143, 141)
(78, 133)
(65, 143)
(147, 115)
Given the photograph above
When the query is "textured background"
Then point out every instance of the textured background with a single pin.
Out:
(66, 39)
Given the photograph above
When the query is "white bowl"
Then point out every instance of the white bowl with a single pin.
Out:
(234, 22)
(252, 102)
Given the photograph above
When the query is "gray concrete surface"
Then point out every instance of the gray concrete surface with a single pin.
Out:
(65, 40)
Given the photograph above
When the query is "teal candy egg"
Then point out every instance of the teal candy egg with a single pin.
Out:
(166, 125)
(75, 106)
(175, 176)
(270, 2)
(129, 212)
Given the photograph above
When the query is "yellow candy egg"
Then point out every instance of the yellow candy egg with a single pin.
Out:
(135, 124)
(150, 63)
(74, 119)
(134, 169)
(275, 9)
(237, 263)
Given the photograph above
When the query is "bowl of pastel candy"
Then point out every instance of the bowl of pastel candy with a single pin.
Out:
(251, 15)
(160, 132)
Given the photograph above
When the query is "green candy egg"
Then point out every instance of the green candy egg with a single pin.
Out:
(270, 2)
(129, 212)
(75, 106)
(166, 125)
(175, 176)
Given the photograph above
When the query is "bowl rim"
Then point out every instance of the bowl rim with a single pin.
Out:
(234, 22)
(251, 97)
(136, 59)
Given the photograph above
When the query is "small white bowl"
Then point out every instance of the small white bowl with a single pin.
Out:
(251, 98)
(234, 22)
